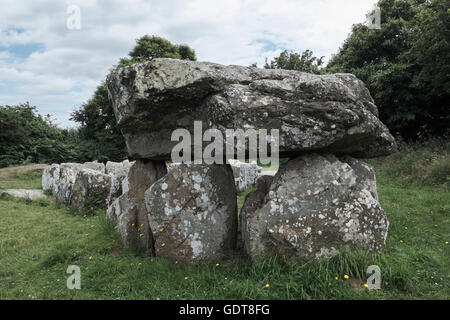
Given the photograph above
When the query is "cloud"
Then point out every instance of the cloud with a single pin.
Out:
(57, 69)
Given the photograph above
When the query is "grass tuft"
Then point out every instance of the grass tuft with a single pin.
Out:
(425, 163)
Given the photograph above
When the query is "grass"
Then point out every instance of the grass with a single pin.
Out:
(425, 163)
(23, 180)
(39, 240)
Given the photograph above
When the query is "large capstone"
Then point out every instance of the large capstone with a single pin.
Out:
(193, 213)
(333, 113)
(315, 205)
(128, 211)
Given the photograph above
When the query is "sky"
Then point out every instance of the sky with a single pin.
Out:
(55, 63)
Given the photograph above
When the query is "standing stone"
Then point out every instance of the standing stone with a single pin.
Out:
(97, 166)
(91, 188)
(315, 205)
(61, 178)
(67, 175)
(245, 174)
(129, 211)
(193, 213)
(50, 177)
(118, 171)
(112, 167)
(127, 163)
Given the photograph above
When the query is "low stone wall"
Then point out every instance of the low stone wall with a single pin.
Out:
(75, 184)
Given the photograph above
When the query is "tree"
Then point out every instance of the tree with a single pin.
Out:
(100, 137)
(294, 61)
(26, 136)
(405, 65)
(151, 47)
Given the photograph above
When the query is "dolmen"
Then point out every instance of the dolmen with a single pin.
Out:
(323, 199)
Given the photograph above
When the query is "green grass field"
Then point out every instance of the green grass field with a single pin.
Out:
(39, 240)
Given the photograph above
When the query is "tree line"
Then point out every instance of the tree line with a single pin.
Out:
(405, 64)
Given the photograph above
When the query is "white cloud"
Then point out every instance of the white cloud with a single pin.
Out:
(71, 63)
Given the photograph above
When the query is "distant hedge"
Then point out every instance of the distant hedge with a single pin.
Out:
(26, 137)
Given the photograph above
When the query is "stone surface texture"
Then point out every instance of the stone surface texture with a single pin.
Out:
(28, 194)
(333, 113)
(245, 174)
(193, 213)
(129, 211)
(315, 205)
(91, 188)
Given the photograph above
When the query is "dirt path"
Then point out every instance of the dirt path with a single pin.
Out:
(6, 172)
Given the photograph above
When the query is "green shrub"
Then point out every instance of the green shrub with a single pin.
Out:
(26, 137)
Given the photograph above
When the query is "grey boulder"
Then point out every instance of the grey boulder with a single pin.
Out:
(50, 177)
(245, 174)
(315, 205)
(90, 189)
(112, 167)
(97, 166)
(333, 113)
(118, 172)
(193, 213)
(24, 193)
(128, 210)
(66, 179)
